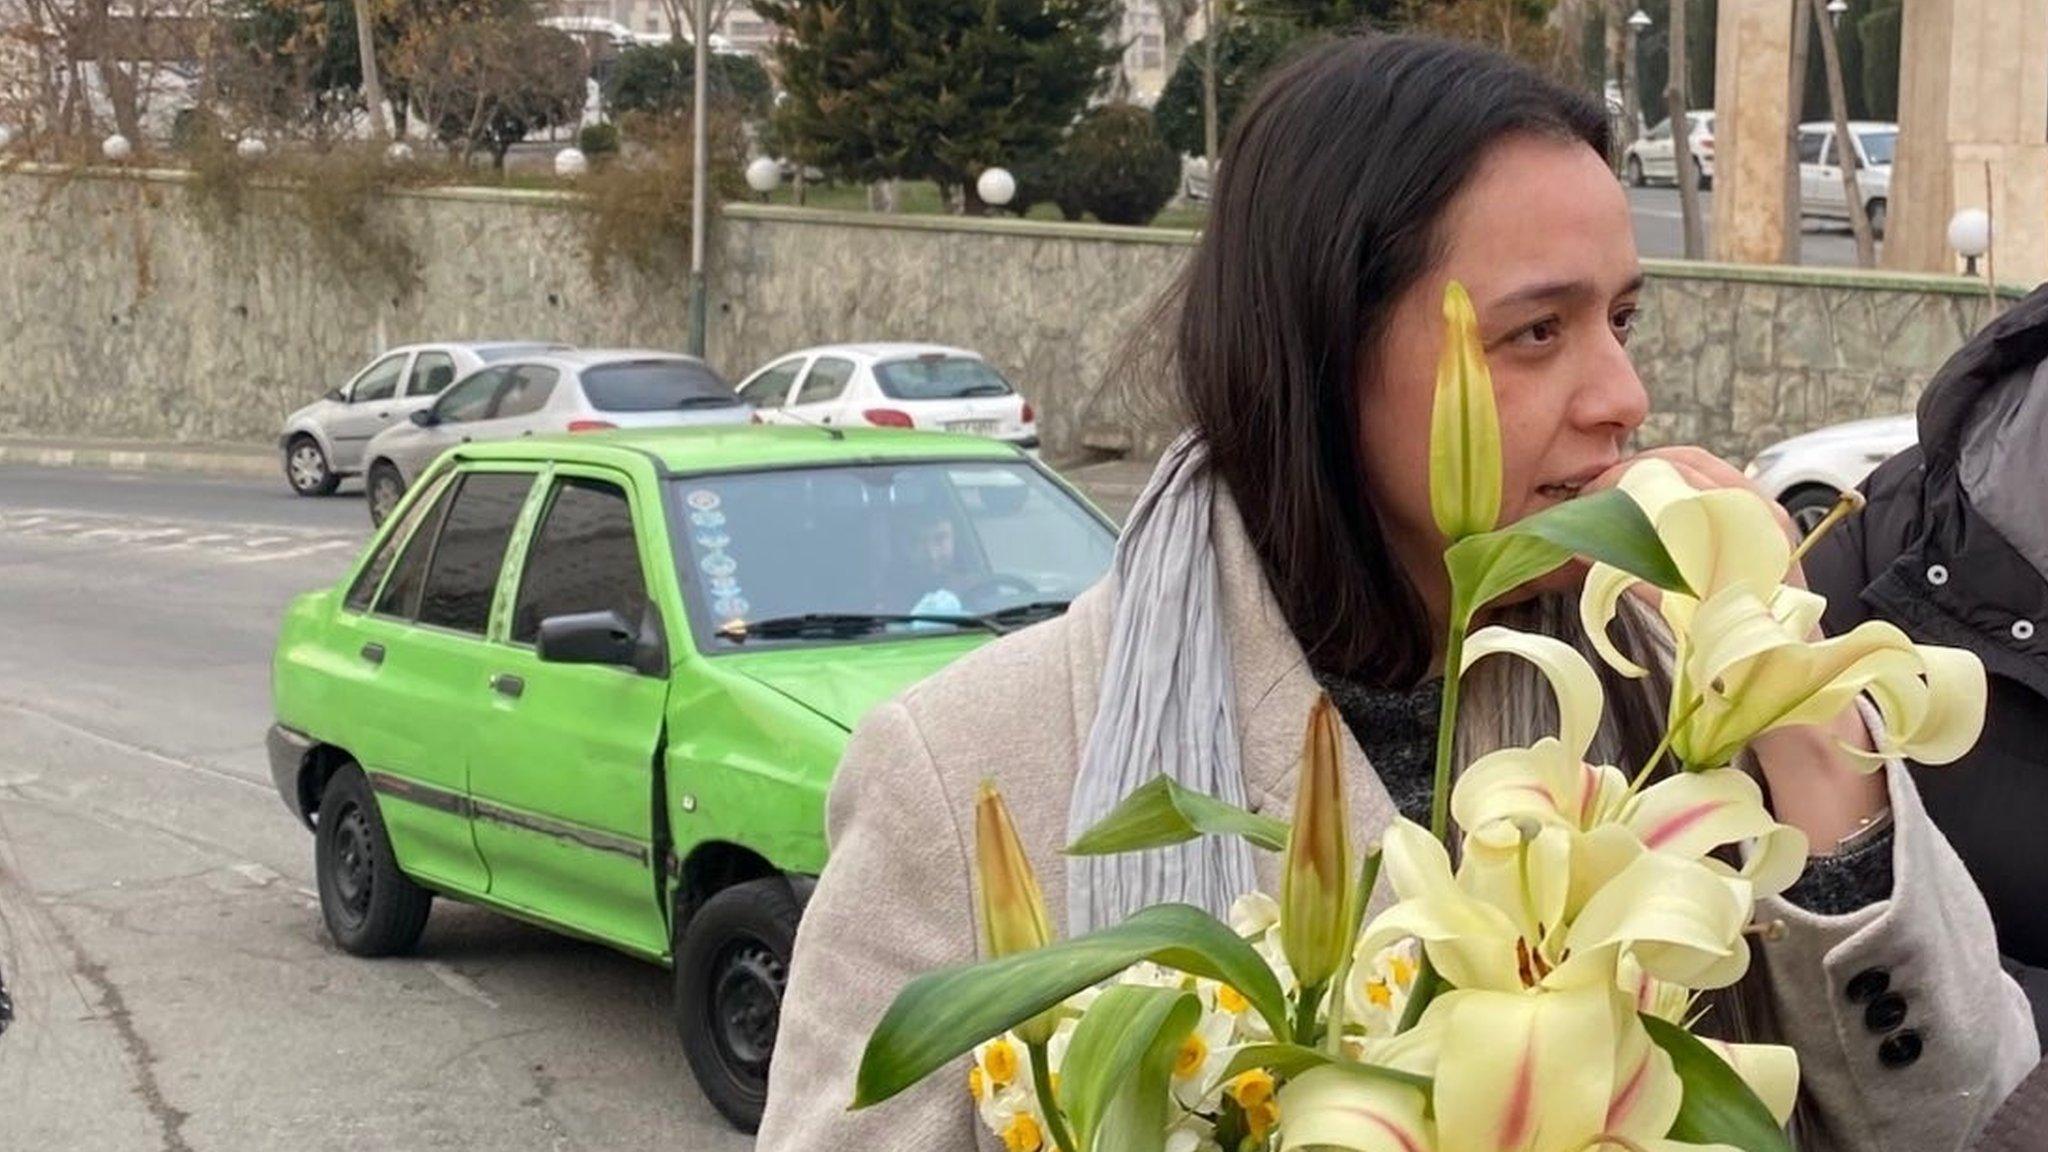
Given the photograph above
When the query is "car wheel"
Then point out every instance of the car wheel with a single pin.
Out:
(384, 488)
(306, 470)
(732, 966)
(1636, 178)
(371, 908)
(1876, 212)
(1809, 504)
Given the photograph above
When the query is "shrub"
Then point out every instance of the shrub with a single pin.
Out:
(598, 140)
(1118, 168)
(661, 78)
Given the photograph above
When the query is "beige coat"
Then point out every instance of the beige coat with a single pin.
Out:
(896, 901)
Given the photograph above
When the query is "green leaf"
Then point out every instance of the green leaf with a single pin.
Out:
(1718, 1107)
(1288, 1060)
(1605, 526)
(1486, 567)
(1163, 812)
(943, 1014)
(1114, 1082)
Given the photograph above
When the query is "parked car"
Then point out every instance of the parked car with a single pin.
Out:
(927, 386)
(323, 442)
(1652, 157)
(1807, 473)
(1821, 194)
(601, 683)
(562, 391)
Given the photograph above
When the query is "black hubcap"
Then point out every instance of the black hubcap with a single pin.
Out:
(746, 1000)
(352, 862)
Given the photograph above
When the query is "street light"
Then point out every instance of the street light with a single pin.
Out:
(571, 163)
(995, 186)
(251, 148)
(6, 136)
(399, 153)
(763, 175)
(1641, 20)
(1969, 233)
(1836, 8)
(116, 148)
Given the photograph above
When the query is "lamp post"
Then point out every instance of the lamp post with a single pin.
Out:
(571, 163)
(763, 175)
(1631, 94)
(1969, 233)
(700, 164)
(116, 148)
(1835, 10)
(995, 187)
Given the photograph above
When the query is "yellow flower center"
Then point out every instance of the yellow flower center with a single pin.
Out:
(1022, 1135)
(1378, 992)
(977, 1083)
(1252, 1089)
(1193, 1051)
(1261, 1119)
(1231, 1000)
(1000, 1059)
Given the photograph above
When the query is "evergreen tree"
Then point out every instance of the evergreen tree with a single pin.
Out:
(935, 89)
(1246, 50)
(661, 78)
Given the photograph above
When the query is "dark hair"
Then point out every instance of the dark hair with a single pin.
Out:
(1326, 207)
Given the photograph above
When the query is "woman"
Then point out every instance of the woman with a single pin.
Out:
(1287, 548)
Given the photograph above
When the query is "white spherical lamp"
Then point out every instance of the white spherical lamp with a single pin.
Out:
(116, 148)
(6, 135)
(763, 175)
(1969, 232)
(571, 162)
(251, 148)
(399, 153)
(996, 187)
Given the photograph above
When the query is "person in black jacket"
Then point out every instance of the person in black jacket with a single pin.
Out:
(1952, 547)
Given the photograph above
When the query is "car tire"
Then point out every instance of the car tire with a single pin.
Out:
(1807, 504)
(370, 906)
(1877, 213)
(1636, 179)
(732, 966)
(383, 488)
(306, 468)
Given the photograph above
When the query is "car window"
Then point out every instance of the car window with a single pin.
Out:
(584, 559)
(825, 381)
(401, 595)
(940, 378)
(1827, 148)
(471, 399)
(1810, 144)
(432, 372)
(771, 388)
(1659, 132)
(655, 386)
(471, 550)
(372, 575)
(1878, 147)
(380, 381)
(528, 391)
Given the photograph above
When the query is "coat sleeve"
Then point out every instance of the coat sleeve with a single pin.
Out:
(895, 900)
(1908, 1031)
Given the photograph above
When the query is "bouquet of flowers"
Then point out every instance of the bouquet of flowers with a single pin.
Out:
(1535, 974)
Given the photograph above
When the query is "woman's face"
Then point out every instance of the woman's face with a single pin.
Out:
(1541, 238)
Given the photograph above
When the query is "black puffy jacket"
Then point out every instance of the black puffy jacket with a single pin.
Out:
(1953, 548)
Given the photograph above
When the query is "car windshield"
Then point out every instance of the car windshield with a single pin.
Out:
(1878, 146)
(940, 378)
(839, 554)
(653, 385)
(492, 353)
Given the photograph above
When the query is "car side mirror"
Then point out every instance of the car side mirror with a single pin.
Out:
(334, 394)
(425, 418)
(603, 638)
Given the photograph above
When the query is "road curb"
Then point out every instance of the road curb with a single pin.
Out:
(110, 458)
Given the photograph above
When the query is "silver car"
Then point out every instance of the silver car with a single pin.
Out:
(567, 391)
(323, 442)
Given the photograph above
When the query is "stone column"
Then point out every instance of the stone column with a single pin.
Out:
(1752, 101)
(1973, 91)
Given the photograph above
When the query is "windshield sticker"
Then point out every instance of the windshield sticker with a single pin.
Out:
(733, 607)
(723, 586)
(718, 564)
(712, 540)
(703, 500)
(709, 518)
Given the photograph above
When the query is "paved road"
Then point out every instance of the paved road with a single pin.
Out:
(1660, 229)
(174, 987)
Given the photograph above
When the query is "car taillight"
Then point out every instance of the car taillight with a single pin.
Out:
(888, 418)
(1706, 144)
(755, 418)
(1029, 414)
(591, 425)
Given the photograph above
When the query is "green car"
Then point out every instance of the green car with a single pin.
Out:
(601, 683)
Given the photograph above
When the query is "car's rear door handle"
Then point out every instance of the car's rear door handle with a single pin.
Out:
(374, 653)
(506, 684)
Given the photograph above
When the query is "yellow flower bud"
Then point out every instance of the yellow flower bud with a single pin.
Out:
(1464, 431)
(1012, 908)
(1315, 895)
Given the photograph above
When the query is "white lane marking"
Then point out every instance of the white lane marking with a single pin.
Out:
(461, 983)
(137, 749)
(255, 874)
(292, 553)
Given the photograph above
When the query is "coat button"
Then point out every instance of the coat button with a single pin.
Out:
(2023, 629)
(1868, 985)
(1936, 574)
(1885, 1013)
(1899, 1049)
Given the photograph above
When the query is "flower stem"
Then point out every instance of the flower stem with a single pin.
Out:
(1446, 729)
(1849, 503)
(1664, 745)
(1361, 895)
(1427, 984)
(1041, 1079)
(1305, 1014)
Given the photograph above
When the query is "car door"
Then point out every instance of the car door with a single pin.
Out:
(1655, 151)
(769, 390)
(370, 404)
(1827, 180)
(433, 370)
(452, 419)
(564, 794)
(522, 405)
(818, 394)
(1811, 145)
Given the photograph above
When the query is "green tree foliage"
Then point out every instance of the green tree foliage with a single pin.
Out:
(1246, 50)
(488, 84)
(1118, 167)
(1701, 33)
(1879, 32)
(661, 78)
(934, 89)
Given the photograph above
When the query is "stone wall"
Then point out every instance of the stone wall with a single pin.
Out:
(127, 312)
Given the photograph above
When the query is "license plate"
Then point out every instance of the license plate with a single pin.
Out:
(973, 427)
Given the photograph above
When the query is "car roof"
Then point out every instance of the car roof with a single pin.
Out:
(590, 357)
(881, 350)
(474, 345)
(1854, 126)
(742, 447)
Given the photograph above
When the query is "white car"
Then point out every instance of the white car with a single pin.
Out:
(540, 393)
(1821, 194)
(323, 442)
(1807, 473)
(1653, 158)
(927, 386)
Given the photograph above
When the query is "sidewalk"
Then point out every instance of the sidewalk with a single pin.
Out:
(240, 460)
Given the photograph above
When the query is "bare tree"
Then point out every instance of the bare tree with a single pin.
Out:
(1845, 147)
(1681, 139)
(1789, 251)
(1174, 17)
(366, 52)
(682, 15)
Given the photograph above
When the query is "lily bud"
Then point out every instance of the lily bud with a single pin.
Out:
(1315, 894)
(1464, 428)
(1012, 908)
